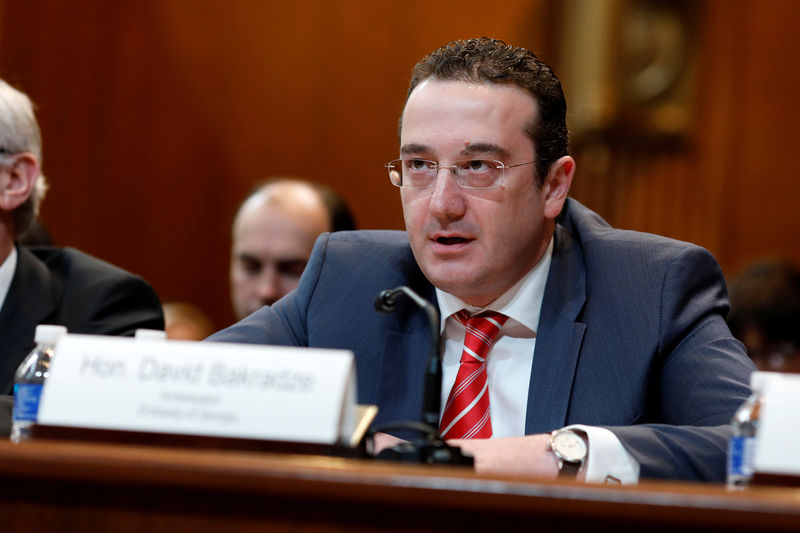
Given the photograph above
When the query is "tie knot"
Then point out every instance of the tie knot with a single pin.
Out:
(482, 330)
(492, 317)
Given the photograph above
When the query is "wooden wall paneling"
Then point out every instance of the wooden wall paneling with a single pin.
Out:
(766, 191)
(731, 188)
(723, 40)
(158, 117)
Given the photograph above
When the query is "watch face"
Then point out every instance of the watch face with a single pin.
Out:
(569, 446)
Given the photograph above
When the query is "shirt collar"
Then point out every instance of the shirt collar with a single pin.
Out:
(7, 274)
(522, 303)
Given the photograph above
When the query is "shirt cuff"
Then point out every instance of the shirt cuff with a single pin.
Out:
(607, 460)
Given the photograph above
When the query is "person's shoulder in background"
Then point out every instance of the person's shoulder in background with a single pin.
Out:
(765, 311)
(96, 297)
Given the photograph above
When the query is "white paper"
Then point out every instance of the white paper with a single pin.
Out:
(778, 437)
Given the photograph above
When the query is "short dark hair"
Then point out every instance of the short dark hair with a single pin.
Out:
(339, 212)
(766, 295)
(486, 60)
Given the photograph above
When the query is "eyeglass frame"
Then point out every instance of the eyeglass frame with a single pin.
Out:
(7, 155)
(454, 169)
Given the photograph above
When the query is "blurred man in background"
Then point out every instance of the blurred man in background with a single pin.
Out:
(273, 234)
(47, 284)
(765, 314)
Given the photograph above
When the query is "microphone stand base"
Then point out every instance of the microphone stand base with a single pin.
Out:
(426, 452)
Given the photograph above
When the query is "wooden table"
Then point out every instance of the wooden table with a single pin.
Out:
(71, 486)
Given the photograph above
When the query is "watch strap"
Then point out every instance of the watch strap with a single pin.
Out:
(569, 470)
(566, 469)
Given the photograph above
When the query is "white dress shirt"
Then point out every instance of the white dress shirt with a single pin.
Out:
(508, 370)
(7, 274)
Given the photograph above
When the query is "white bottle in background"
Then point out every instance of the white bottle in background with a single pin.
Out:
(29, 380)
(150, 334)
(744, 427)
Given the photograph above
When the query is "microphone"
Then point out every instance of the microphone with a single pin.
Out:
(433, 448)
(386, 302)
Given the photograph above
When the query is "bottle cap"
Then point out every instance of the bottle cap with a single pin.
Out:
(48, 334)
(759, 380)
(150, 334)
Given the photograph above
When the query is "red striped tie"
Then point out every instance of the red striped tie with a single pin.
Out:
(467, 414)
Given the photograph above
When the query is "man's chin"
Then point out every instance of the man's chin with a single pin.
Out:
(461, 285)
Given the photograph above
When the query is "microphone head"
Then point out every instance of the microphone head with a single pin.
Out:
(386, 301)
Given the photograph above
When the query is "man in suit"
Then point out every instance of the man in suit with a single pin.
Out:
(765, 311)
(273, 234)
(45, 284)
(613, 360)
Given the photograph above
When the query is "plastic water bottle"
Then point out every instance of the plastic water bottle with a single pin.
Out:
(30, 378)
(744, 426)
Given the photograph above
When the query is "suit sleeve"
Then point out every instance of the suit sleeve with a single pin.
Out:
(701, 376)
(112, 304)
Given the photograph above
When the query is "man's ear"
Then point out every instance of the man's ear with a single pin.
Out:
(17, 179)
(556, 186)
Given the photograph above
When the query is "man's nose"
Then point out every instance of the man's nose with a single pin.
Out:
(269, 285)
(447, 198)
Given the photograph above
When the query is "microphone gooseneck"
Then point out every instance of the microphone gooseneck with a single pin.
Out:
(387, 301)
(432, 448)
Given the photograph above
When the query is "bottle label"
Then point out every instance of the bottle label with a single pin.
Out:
(26, 401)
(740, 456)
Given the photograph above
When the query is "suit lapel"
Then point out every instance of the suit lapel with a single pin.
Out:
(559, 337)
(29, 302)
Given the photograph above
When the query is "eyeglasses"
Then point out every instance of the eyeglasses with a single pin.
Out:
(7, 152)
(467, 173)
(6, 155)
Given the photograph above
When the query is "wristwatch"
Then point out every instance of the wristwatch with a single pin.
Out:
(570, 450)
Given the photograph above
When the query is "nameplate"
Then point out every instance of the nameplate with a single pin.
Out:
(777, 449)
(198, 388)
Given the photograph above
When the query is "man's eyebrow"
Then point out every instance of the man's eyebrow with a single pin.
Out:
(469, 150)
(288, 264)
(485, 148)
(407, 149)
(249, 262)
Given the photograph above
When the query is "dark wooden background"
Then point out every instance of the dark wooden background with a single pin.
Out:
(158, 116)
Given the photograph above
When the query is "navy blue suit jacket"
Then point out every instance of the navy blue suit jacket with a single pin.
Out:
(632, 337)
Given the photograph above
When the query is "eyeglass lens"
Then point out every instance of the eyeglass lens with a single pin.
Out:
(468, 173)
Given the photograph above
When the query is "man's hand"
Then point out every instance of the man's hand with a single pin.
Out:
(381, 441)
(521, 456)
